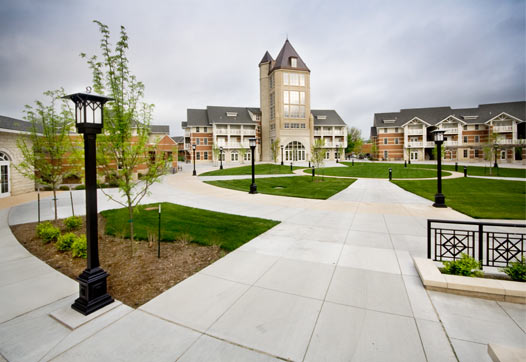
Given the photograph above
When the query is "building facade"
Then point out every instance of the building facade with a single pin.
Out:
(470, 133)
(284, 115)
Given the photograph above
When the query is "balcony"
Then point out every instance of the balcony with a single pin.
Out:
(228, 145)
(414, 144)
(415, 132)
(517, 141)
(502, 129)
(249, 132)
(317, 133)
(450, 143)
(223, 131)
(187, 133)
(235, 131)
(451, 130)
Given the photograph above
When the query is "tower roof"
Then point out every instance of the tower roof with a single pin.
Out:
(267, 58)
(283, 61)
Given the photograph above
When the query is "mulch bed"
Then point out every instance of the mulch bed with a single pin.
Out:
(133, 280)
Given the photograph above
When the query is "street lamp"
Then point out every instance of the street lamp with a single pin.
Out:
(89, 117)
(253, 187)
(281, 155)
(194, 173)
(337, 151)
(439, 197)
(496, 148)
(221, 157)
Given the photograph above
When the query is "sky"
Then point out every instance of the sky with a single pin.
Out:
(365, 57)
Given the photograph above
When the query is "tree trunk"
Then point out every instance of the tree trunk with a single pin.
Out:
(130, 221)
(55, 202)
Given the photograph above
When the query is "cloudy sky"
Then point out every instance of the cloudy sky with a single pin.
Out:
(365, 56)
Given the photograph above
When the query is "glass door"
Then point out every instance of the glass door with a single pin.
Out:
(4, 179)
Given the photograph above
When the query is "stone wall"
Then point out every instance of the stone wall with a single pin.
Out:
(19, 183)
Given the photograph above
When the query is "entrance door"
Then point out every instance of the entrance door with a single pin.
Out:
(5, 189)
(414, 155)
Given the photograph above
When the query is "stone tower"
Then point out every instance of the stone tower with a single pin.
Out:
(285, 105)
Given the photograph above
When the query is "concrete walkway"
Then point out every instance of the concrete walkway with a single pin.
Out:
(333, 282)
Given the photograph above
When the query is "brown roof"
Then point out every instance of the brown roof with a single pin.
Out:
(283, 59)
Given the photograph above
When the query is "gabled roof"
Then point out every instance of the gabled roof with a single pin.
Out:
(326, 117)
(16, 125)
(239, 115)
(283, 59)
(159, 129)
(178, 139)
(267, 58)
(197, 117)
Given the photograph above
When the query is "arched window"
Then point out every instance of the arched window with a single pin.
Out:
(4, 156)
(295, 151)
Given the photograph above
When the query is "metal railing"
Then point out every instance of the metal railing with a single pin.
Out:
(492, 244)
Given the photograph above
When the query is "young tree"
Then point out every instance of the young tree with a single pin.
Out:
(242, 153)
(354, 140)
(317, 153)
(48, 149)
(374, 150)
(274, 147)
(216, 152)
(125, 143)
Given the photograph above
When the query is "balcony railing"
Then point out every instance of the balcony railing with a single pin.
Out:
(414, 144)
(233, 144)
(450, 143)
(451, 130)
(221, 131)
(317, 133)
(517, 141)
(502, 129)
(414, 132)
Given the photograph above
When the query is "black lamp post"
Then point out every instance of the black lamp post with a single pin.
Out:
(221, 157)
(281, 155)
(89, 116)
(439, 197)
(337, 152)
(253, 187)
(496, 147)
(194, 173)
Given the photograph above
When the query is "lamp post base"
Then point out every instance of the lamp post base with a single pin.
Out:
(253, 189)
(440, 200)
(194, 173)
(221, 167)
(93, 291)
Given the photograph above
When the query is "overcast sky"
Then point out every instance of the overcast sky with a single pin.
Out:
(365, 56)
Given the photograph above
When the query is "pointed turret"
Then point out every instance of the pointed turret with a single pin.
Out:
(267, 58)
(288, 58)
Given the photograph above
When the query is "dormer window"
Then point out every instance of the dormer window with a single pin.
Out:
(389, 121)
(321, 116)
(293, 62)
(231, 114)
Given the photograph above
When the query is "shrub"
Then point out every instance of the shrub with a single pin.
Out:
(73, 223)
(466, 266)
(516, 270)
(63, 188)
(79, 247)
(47, 232)
(65, 241)
(80, 187)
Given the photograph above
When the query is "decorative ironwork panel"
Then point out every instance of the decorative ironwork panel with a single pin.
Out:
(503, 248)
(450, 243)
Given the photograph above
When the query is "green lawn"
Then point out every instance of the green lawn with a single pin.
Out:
(478, 198)
(378, 170)
(295, 186)
(261, 169)
(482, 171)
(181, 222)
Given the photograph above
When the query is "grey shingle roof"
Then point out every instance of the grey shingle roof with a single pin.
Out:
(434, 115)
(219, 115)
(197, 117)
(14, 124)
(178, 139)
(333, 118)
(266, 58)
(159, 129)
(283, 59)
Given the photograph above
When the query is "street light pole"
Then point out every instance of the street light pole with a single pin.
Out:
(281, 155)
(221, 157)
(194, 173)
(89, 116)
(439, 197)
(253, 187)
(496, 147)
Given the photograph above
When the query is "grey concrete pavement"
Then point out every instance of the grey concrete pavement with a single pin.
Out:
(333, 282)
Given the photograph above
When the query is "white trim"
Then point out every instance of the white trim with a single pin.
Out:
(8, 164)
(415, 119)
(451, 116)
(503, 113)
(5, 130)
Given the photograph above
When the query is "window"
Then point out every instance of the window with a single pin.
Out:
(465, 128)
(465, 153)
(287, 125)
(205, 129)
(385, 130)
(396, 131)
(197, 129)
(198, 155)
(293, 104)
(168, 156)
(272, 107)
(271, 81)
(396, 141)
(247, 156)
(197, 141)
(205, 141)
(234, 156)
(272, 126)
(205, 155)
(476, 127)
(302, 125)
(294, 79)
(477, 139)
(386, 155)
(327, 155)
(336, 155)
(152, 156)
(385, 141)
(502, 155)
(293, 62)
(465, 139)
(476, 153)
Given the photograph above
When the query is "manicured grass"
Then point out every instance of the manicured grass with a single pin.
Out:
(478, 198)
(378, 170)
(181, 222)
(261, 169)
(295, 186)
(482, 171)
